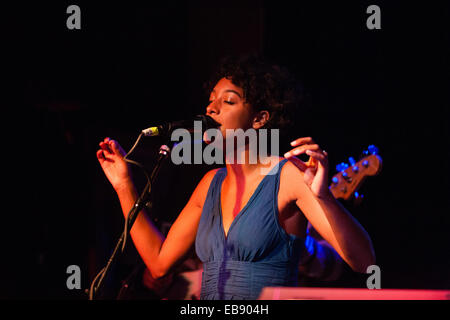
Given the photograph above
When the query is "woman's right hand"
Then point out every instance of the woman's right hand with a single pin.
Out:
(110, 156)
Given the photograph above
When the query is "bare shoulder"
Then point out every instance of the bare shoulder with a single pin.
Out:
(292, 178)
(200, 192)
(207, 178)
(292, 169)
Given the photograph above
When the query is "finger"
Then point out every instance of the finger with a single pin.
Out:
(300, 150)
(105, 147)
(298, 163)
(321, 166)
(102, 158)
(319, 156)
(301, 141)
(115, 146)
(100, 155)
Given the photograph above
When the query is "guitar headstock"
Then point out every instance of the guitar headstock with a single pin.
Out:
(350, 176)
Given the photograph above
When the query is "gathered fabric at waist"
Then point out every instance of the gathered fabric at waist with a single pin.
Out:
(230, 279)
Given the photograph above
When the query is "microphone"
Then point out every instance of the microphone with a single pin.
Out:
(167, 127)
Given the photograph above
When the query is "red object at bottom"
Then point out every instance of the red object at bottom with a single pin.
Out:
(287, 293)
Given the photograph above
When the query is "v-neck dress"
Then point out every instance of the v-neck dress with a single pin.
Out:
(256, 253)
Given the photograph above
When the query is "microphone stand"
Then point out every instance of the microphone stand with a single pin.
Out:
(142, 202)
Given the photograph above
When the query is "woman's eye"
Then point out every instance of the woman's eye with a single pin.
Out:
(229, 102)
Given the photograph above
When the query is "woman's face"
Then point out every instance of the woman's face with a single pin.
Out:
(228, 107)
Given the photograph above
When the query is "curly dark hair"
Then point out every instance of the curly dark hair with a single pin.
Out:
(266, 86)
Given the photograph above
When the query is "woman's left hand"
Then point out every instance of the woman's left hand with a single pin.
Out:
(315, 169)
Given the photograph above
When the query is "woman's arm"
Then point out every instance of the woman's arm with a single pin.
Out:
(159, 254)
(308, 186)
(338, 227)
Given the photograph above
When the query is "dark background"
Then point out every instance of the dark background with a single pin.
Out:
(133, 65)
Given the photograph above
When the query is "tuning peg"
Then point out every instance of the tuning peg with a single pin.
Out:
(346, 177)
(341, 166)
(372, 149)
(352, 163)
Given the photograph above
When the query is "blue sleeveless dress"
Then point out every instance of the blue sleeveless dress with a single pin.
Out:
(257, 251)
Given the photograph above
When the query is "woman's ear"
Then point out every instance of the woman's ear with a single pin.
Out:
(261, 118)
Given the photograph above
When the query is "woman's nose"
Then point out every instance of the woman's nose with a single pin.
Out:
(212, 108)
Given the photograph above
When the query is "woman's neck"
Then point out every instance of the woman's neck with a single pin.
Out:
(242, 164)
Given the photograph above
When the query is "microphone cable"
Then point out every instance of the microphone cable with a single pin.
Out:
(148, 187)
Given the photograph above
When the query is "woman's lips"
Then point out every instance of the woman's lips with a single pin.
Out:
(214, 123)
